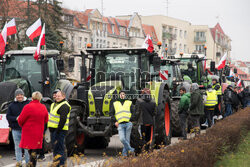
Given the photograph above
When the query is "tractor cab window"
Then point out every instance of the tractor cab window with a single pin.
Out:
(53, 73)
(188, 68)
(117, 67)
(24, 67)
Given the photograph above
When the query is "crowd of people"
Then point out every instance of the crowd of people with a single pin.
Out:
(29, 120)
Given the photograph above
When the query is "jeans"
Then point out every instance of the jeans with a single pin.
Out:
(229, 110)
(124, 131)
(209, 112)
(183, 125)
(18, 151)
(58, 146)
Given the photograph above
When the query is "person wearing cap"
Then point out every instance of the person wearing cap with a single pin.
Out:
(54, 94)
(58, 126)
(196, 109)
(210, 104)
(121, 113)
(216, 86)
(228, 100)
(144, 113)
(14, 110)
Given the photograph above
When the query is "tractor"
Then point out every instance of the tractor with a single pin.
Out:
(20, 70)
(113, 70)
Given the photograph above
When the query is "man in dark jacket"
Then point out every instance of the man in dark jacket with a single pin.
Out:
(183, 111)
(196, 109)
(228, 100)
(147, 110)
(58, 125)
(14, 110)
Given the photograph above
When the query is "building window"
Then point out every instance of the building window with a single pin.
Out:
(180, 33)
(175, 32)
(125, 45)
(108, 44)
(199, 48)
(185, 34)
(175, 45)
(114, 44)
(68, 19)
(113, 29)
(85, 42)
(72, 42)
(185, 48)
(180, 47)
(79, 42)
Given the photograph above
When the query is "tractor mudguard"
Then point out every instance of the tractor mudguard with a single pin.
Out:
(65, 86)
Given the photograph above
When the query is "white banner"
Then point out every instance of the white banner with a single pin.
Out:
(3, 121)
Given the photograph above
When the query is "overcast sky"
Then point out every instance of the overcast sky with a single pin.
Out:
(233, 15)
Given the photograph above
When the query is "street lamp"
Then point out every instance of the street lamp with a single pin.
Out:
(61, 45)
(159, 44)
(205, 48)
(181, 54)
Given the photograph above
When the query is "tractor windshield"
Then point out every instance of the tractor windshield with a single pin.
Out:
(117, 66)
(23, 66)
(188, 67)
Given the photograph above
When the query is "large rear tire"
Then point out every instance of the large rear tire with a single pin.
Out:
(74, 139)
(175, 120)
(162, 119)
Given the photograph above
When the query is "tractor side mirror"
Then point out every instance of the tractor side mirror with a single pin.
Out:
(212, 66)
(156, 63)
(235, 70)
(71, 63)
(60, 65)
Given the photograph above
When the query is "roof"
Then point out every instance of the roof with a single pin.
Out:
(148, 29)
(241, 64)
(219, 29)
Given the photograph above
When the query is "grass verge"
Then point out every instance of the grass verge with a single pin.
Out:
(240, 158)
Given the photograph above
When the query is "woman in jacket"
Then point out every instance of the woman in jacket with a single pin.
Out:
(32, 120)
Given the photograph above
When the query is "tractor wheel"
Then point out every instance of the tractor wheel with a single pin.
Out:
(74, 140)
(175, 119)
(162, 120)
(99, 142)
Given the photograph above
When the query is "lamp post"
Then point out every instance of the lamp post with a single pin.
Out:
(61, 45)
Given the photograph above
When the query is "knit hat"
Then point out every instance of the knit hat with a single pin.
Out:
(18, 92)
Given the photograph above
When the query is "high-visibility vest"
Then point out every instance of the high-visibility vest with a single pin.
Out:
(54, 118)
(122, 112)
(218, 92)
(212, 99)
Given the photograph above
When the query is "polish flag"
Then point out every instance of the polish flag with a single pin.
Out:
(40, 43)
(11, 27)
(34, 30)
(239, 83)
(148, 44)
(222, 62)
(3, 40)
(232, 73)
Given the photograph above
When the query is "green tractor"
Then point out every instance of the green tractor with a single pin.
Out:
(20, 70)
(113, 70)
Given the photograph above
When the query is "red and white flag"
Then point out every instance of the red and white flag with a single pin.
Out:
(164, 74)
(11, 27)
(239, 83)
(3, 40)
(148, 44)
(34, 30)
(222, 62)
(40, 43)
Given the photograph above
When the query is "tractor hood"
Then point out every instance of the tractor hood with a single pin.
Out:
(100, 96)
(8, 88)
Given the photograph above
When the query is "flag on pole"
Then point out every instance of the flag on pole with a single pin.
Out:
(11, 27)
(3, 40)
(222, 62)
(239, 83)
(40, 43)
(34, 30)
(148, 44)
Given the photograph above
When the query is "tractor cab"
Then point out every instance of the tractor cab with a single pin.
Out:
(192, 67)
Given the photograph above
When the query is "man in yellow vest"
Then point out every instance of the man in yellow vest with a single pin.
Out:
(210, 104)
(58, 125)
(123, 109)
(216, 86)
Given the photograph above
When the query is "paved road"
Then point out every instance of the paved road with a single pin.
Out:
(91, 155)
